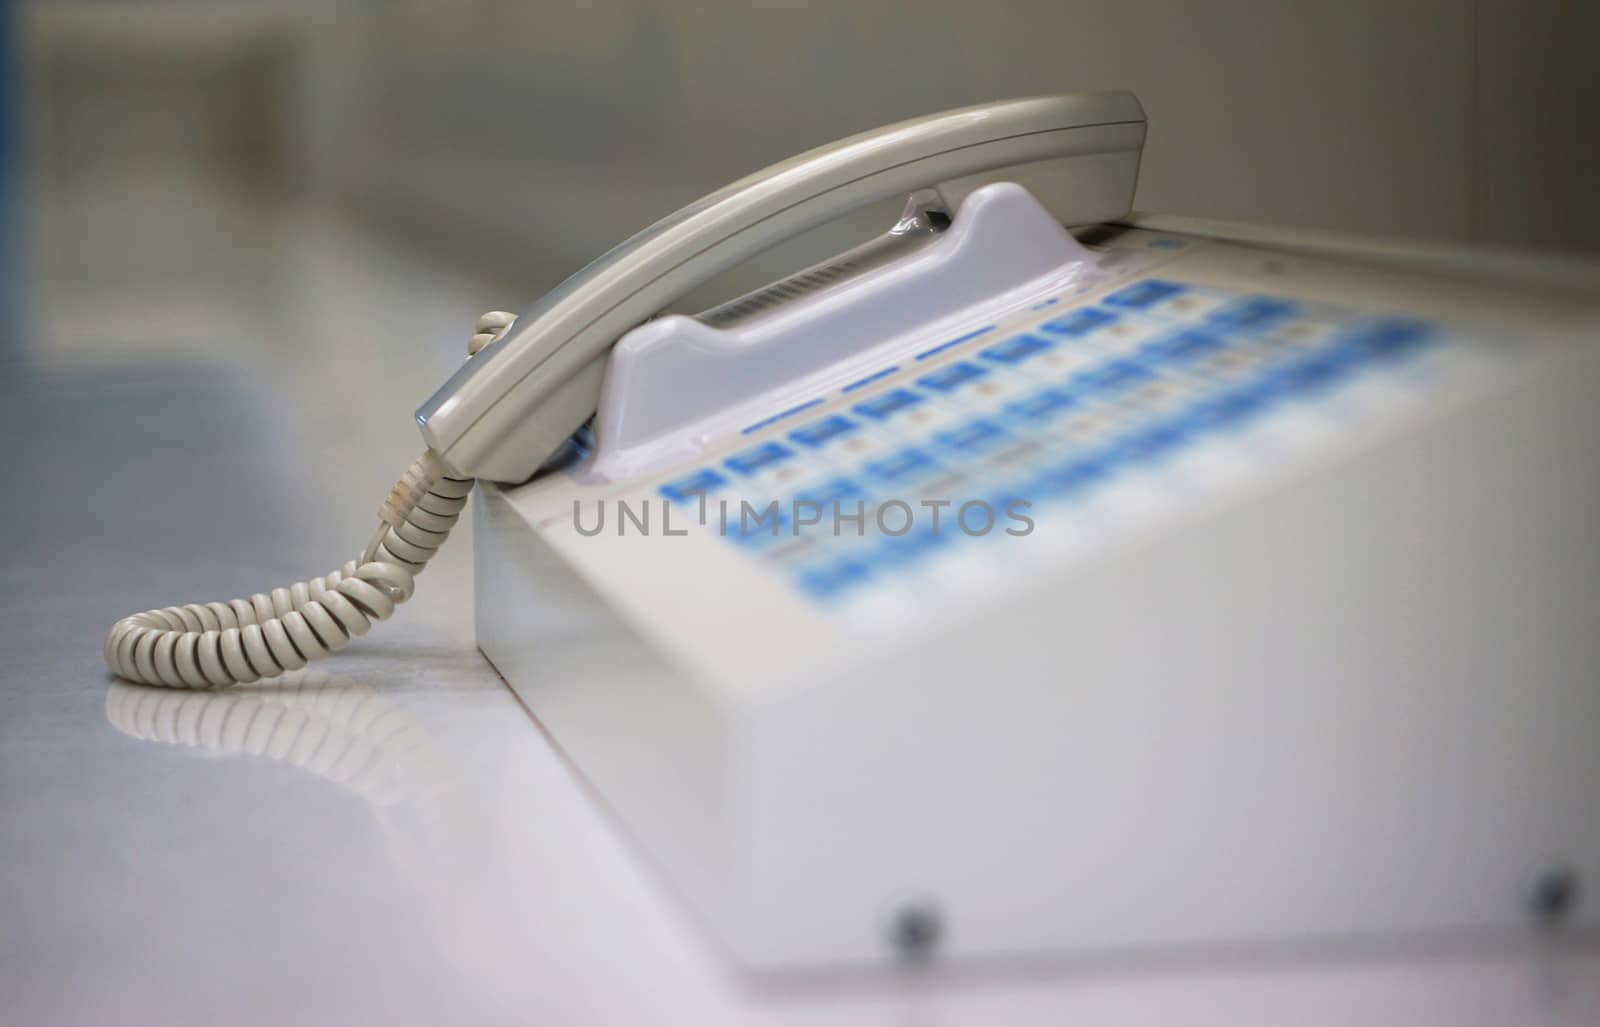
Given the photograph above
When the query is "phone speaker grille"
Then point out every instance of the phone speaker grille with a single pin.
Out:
(874, 253)
(803, 283)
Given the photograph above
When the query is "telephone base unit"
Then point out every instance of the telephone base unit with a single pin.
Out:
(1282, 628)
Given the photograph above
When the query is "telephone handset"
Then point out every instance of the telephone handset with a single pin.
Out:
(517, 400)
(513, 404)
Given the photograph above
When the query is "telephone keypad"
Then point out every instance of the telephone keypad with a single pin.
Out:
(1048, 412)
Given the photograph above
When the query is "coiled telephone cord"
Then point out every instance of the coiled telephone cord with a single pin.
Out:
(208, 645)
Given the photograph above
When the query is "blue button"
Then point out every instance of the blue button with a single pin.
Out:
(1149, 443)
(1314, 372)
(906, 465)
(1070, 477)
(750, 516)
(1042, 407)
(1230, 409)
(1016, 350)
(759, 530)
(829, 492)
(948, 379)
(1183, 348)
(815, 435)
(1144, 294)
(1114, 377)
(1252, 314)
(922, 540)
(882, 407)
(828, 580)
(1021, 493)
(693, 486)
(753, 460)
(973, 437)
(1392, 338)
(1080, 322)
(925, 354)
(861, 383)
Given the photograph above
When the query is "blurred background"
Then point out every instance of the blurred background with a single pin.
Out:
(192, 175)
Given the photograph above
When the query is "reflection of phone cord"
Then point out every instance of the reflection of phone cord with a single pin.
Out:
(336, 729)
(243, 640)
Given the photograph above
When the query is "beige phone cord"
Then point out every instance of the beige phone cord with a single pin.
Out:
(208, 645)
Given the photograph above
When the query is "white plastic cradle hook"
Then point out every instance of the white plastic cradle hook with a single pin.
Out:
(675, 381)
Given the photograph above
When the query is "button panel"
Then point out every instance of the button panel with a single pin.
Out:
(1043, 413)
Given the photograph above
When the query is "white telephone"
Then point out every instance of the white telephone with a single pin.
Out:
(516, 401)
(1296, 495)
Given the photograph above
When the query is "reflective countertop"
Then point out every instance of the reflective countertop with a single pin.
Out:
(389, 837)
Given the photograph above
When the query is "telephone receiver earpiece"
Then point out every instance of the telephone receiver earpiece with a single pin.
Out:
(517, 400)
